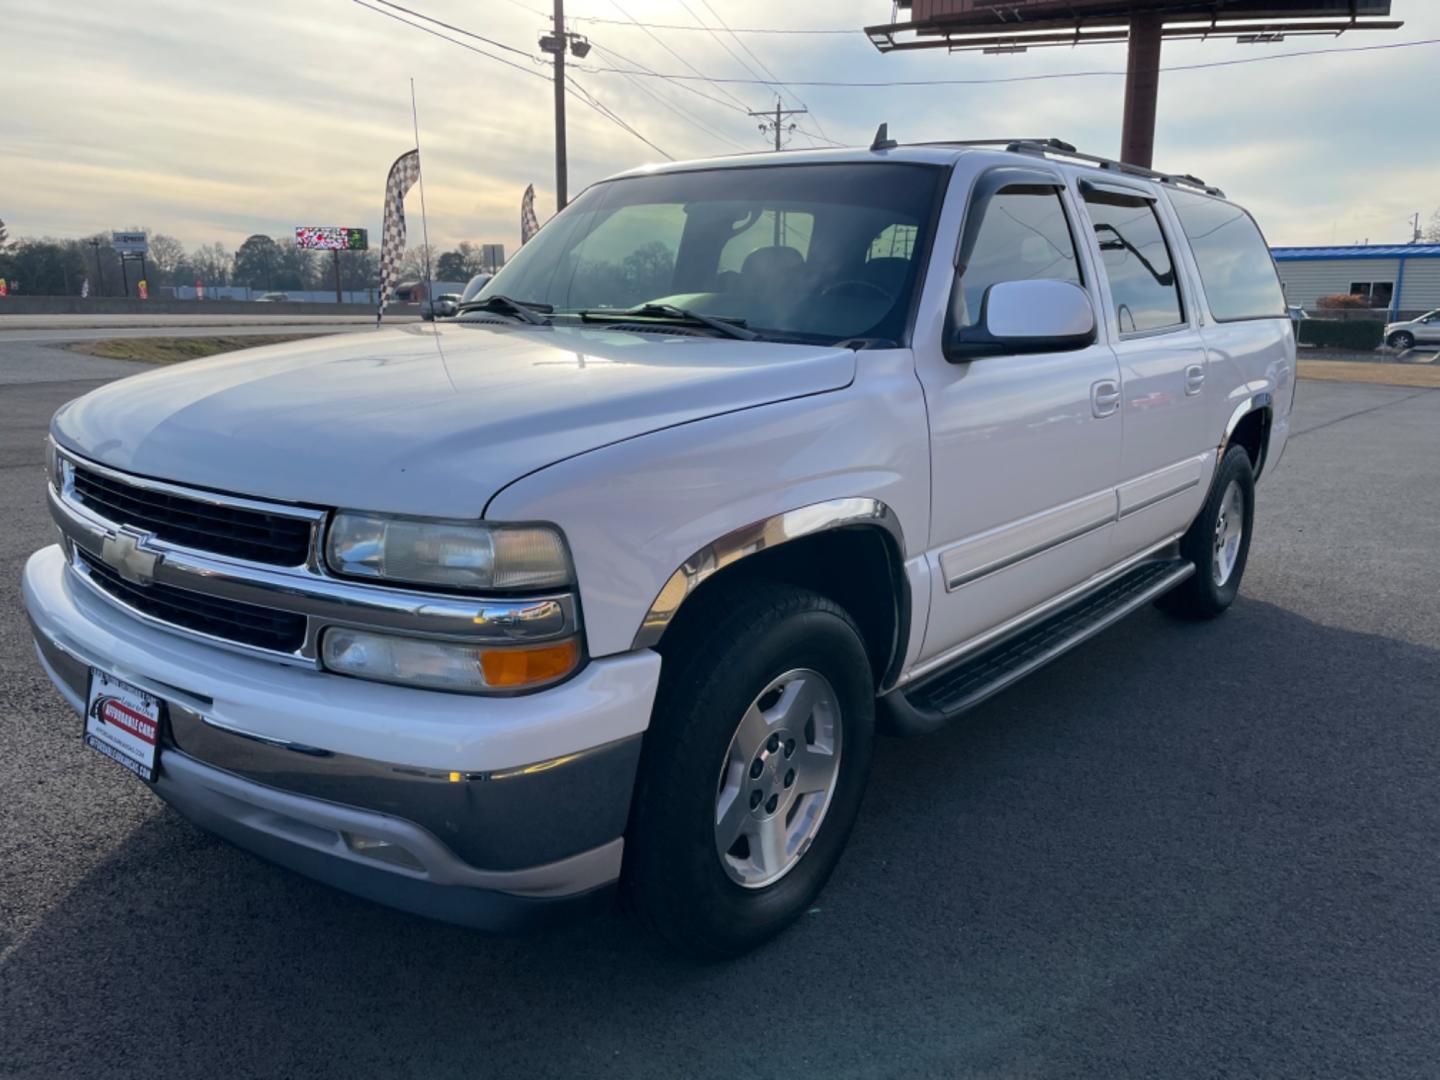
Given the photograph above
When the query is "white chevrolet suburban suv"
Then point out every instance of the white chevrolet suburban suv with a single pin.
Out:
(611, 580)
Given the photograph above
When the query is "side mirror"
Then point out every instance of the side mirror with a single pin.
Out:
(1022, 317)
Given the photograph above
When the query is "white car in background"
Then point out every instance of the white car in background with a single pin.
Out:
(1422, 331)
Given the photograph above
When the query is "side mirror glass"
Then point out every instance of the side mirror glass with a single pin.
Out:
(1022, 317)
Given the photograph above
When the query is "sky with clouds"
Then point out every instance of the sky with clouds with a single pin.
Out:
(211, 121)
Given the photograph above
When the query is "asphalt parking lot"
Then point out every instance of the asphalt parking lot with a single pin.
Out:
(1182, 850)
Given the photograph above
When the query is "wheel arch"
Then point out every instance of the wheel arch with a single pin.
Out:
(1249, 426)
(805, 546)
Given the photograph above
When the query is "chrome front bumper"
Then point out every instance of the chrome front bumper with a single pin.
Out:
(491, 842)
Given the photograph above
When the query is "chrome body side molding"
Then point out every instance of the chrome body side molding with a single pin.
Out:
(997, 549)
(1145, 491)
(757, 537)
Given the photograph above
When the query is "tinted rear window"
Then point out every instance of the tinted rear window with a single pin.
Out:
(1234, 262)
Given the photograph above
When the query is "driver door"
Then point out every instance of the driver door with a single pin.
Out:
(1025, 448)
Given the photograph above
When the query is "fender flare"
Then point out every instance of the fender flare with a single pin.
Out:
(1261, 402)
(771, 532)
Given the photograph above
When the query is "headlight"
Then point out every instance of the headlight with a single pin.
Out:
(53, 465)
(455, 554)
(447, 665)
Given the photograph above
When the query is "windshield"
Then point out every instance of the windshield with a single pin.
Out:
(472, 289)
(798, 252)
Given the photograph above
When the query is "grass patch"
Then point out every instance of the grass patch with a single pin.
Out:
(171, 350)
(1422, 375)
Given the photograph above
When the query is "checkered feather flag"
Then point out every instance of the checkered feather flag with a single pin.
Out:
(403, 175)
(529, 223)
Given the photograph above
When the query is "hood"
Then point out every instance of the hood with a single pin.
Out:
(430, 420)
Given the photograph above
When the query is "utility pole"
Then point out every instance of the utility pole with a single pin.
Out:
(99, 269)
(1415, 234)
(561, 165)
(555, 43)
(775, 120)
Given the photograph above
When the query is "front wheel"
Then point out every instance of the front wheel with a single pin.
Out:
(1217, 542)
(753, 770)
(1401, 340)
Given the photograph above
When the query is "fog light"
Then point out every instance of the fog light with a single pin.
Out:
(372, 847)
(446, 665)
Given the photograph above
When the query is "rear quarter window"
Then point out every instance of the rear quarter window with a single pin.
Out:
(1235, 264)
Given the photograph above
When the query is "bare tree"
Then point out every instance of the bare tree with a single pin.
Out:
(166, 256)
(412, 266)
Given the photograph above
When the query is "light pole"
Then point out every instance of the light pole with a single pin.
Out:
(555, 43)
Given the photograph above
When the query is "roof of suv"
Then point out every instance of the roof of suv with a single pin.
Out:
(934, 153)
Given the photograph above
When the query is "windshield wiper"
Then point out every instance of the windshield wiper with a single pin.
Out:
(734, 328)
(524, 310)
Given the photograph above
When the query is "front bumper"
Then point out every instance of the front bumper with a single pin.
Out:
(494, 810)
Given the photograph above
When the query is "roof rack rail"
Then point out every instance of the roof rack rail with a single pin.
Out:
(1060, 148)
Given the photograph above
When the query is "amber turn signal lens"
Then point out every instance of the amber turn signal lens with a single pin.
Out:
(516, 668)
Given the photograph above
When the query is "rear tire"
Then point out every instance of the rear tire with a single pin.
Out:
(765, 694)
(1217, 542)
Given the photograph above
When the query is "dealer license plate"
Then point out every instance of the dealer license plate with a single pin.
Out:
(123, 723)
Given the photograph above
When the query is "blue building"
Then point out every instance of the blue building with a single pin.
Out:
(1403, 279)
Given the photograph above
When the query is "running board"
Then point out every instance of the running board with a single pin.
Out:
(938, 698)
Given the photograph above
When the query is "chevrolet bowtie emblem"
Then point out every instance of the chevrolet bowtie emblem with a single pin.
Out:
(123, 553)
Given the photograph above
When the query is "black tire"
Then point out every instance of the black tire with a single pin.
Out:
(1201, 596)
(673, 877)
(1401, 340)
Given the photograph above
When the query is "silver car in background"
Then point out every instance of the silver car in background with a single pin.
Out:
(1406, 335)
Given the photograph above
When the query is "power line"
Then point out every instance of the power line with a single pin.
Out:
(651, 71)
(884, 83)
(763, 66)
(700, 74)
(720, 41)
(687, 117)
(736, 30)
(574, 88)
(457, 29)
(453, 41)
(604, 110)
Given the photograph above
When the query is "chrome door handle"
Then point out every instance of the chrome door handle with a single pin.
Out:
(1104, 398)
(1194, 379)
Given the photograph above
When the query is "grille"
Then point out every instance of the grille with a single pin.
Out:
(245, 624)
(224, 530)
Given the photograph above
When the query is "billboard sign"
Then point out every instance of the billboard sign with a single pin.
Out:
(331, 238)
(130, 243)
(492, 257)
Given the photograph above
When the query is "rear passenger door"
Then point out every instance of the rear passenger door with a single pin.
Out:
(1168, 445)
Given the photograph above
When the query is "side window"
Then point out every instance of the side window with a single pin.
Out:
(771, 228)
(892, 242)
(1235, 265)
(1025, 236)
(1136, 259)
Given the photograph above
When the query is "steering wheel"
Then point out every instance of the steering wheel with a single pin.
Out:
(852, 284)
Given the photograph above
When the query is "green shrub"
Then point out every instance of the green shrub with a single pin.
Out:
(1361, 334)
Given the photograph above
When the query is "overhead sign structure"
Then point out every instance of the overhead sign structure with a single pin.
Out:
(1016, 26)
(331, 238)
(130, 243)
